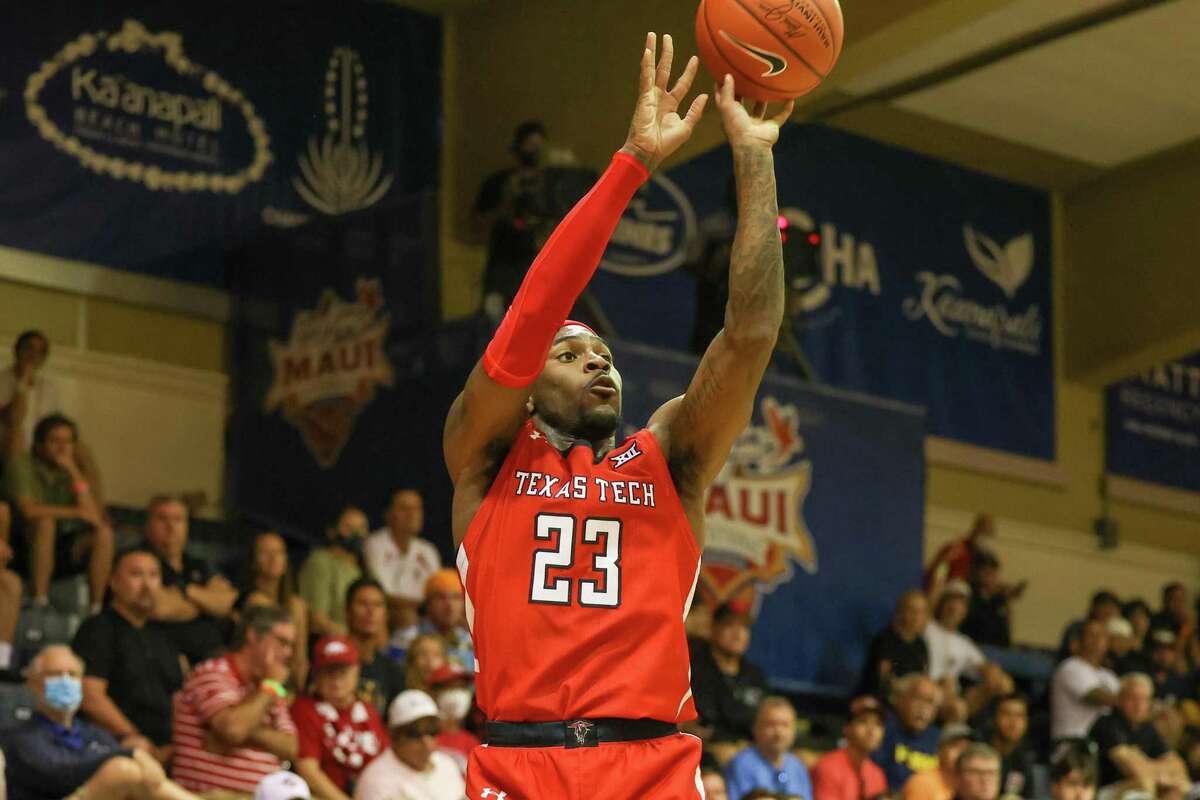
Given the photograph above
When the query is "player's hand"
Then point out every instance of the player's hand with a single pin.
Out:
(657, 130)
(751, 127)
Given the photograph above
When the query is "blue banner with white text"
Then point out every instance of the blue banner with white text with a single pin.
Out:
(922, 282)
(1153, 424)
(154, 137)
(816, 520)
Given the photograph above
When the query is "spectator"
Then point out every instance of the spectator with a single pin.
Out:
(1132, 754)
(400, 559)
(898, 649)
(232, 726)
(1138, 614)
(727, 687)
(714, 783)
(1010, 723)
(132, 668)
(25, 395)
(848, 773)
(938, 783)
(977, 773)
(910, 738)
(10, 597)
(1122, 657)
(329, 571)
(953, 656)
(443, 617)
(1104, 606)
(1073, 771)
(426, 654)
(64, 527)
(1163, 660)
(768, 763)
(956, 560)
(380, 678)
(412, 764)
(271, 584)
(195, 603)
(1173, 615)
(987, 621)
(282, 786)
(338, 733)
(450, 687)
(57, 754)
(1081, 688)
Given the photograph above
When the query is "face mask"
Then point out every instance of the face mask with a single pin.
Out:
(529, 158)
(64, 693)
(455, 703)
(353, 544)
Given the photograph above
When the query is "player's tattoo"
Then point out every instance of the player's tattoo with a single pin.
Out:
(756, 295)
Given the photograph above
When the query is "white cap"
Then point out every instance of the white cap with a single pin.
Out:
(410, 706)
(957, 586)
(282, 786)
(1119, 626)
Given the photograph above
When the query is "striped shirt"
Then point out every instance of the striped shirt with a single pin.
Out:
(214, 686)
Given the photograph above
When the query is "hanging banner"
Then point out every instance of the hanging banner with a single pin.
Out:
(1153, 424)
(152, 136)
(817, 518)
(931, 284)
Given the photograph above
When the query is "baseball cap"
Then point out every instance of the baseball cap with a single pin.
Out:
(410, 706)
(447, 673)
(1119, 626)
(957, 586)
(954, 732)
(1162, 637)
(866, 704)
(444, 580)
(282, 786)
(334, 650)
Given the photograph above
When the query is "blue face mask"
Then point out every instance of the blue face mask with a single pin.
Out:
(64, 693)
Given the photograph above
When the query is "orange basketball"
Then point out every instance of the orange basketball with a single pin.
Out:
(775, 49)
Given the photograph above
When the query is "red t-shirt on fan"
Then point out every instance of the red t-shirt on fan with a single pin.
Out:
(578, 577)
(342, 740)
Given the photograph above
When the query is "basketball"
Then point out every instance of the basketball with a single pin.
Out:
(775, 50)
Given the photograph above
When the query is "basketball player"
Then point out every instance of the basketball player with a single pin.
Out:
(580, 559)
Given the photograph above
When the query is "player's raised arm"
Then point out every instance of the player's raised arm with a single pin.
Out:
(698, 429)
(491, 408)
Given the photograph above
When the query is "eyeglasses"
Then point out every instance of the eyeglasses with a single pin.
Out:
(421, 731)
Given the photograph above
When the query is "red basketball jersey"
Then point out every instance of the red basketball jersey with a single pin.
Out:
(578, 577)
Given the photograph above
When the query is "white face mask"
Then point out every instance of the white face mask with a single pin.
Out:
(455, 704)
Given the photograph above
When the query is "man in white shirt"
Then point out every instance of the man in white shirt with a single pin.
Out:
(1082, 690)
(412, 768)
(400, 560)
(25, 396)
(953, 655)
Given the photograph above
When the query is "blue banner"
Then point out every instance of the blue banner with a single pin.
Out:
(931, 284)
(816, 519)
(155, 136)
(1153, 424)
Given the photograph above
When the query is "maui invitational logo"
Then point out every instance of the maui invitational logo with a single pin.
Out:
(105, 100)
(329, 369)
(338, 172)
(942, 303)
(652, 236)
(754, 510)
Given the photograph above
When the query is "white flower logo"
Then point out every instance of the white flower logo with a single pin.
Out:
(1007, 267)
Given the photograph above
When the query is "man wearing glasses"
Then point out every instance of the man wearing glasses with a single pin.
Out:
(231, 723)
(978, 775)
(412, 768)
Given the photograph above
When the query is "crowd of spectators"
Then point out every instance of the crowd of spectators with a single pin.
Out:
(352, 676)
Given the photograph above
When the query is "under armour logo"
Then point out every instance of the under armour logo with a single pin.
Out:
(581, 728)
(499, 795)
(535, 435)
(621, 459)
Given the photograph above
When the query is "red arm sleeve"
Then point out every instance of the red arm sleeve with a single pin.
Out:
(559, 275)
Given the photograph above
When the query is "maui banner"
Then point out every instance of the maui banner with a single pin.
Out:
(154, 136)
(816, 519)
(1153, 424)
(908, 278)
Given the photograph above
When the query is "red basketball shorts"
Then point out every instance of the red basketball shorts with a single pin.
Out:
(666, 768)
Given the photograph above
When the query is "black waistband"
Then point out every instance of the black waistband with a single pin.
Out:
(574, 733)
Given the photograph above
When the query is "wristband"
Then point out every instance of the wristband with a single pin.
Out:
(81, 487)
(274, 687)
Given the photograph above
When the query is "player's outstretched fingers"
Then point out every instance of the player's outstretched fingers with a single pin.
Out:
(695, 111)
(663, 76)
(684, 84)
(785, 113)
(646, 75)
